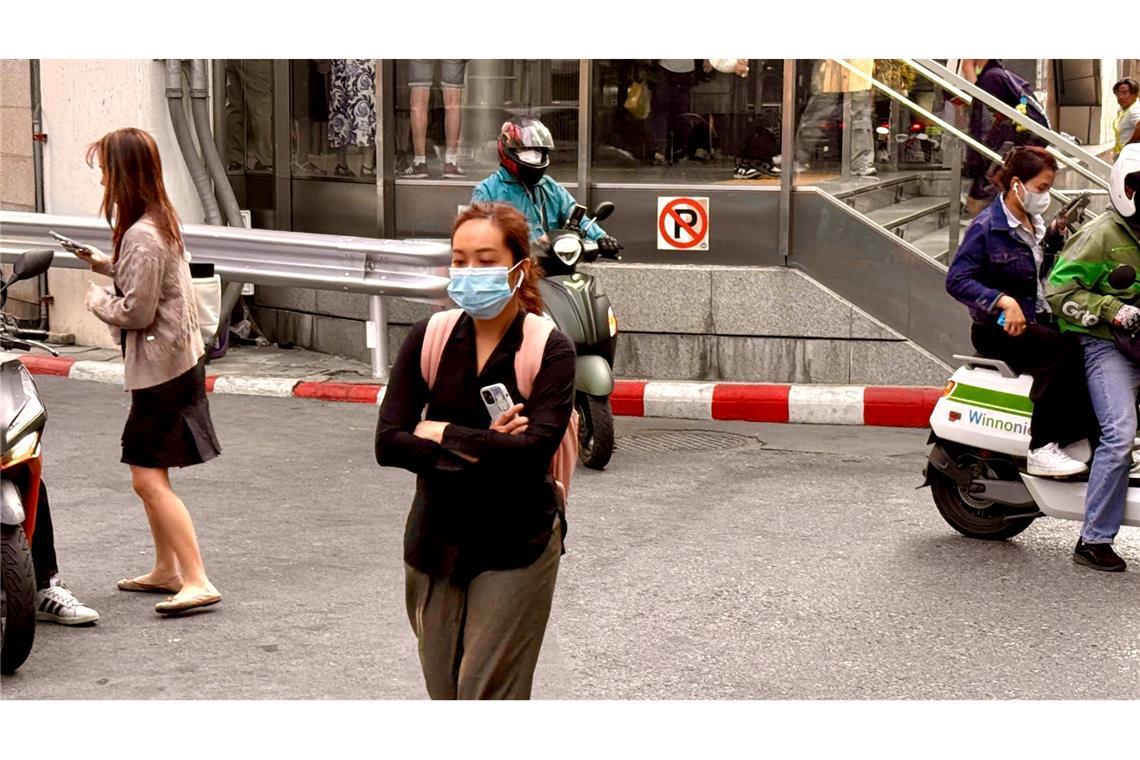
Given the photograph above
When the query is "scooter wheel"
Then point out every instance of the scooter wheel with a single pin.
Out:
(971, 517)
(595, 430)
(18, 602)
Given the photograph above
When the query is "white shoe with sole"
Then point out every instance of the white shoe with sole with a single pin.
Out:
(1050, 462)
(57, 604)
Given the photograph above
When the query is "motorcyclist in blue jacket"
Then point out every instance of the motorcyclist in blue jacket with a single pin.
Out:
(524, 154)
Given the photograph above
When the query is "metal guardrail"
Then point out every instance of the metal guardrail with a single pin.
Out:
(414, 269)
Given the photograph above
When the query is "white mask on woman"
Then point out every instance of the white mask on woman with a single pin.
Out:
(1033, 203)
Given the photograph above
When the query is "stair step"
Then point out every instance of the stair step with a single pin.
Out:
(936, 244)
(899, 214)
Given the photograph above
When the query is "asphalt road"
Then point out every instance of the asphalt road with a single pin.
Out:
(800, 565)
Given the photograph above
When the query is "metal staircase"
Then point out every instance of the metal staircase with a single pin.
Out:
(885, 243)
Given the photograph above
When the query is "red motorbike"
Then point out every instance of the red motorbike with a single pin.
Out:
(22, 418)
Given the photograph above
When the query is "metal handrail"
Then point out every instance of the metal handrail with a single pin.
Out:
(1055, 140)
(914, 64)
(905, 101)
(947, 126)
(415, 269)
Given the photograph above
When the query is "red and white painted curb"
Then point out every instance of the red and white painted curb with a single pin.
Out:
(802, 404)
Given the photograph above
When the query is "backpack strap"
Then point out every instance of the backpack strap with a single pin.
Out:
(528, 359)
(439, 330)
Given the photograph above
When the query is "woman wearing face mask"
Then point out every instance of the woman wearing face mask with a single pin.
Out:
(484, 536)
(999, 272)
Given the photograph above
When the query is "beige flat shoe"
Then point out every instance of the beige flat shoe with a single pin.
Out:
(130, 584)
(199, 600)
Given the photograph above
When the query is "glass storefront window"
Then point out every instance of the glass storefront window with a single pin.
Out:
(684, 120)
(249, 116)
(333, 109)
(848, 132)
(449, 113)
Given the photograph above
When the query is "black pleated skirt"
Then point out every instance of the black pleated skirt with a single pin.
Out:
(169, 424)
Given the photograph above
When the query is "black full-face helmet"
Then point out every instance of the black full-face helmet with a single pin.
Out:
(524, 148)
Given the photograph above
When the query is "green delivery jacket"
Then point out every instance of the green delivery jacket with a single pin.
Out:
(1077, 290)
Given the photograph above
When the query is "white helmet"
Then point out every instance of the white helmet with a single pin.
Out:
(1126, 170)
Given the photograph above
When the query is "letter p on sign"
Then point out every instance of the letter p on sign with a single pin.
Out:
(682, 224)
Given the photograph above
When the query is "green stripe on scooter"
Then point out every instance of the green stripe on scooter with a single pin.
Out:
(995, 400)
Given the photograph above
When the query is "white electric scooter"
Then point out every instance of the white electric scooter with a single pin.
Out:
(976, 468)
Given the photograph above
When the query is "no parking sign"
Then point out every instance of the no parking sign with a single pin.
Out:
(682, 224)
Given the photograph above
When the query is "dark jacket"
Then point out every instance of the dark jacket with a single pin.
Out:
(992, 262)
(498, 513)
(989, 127)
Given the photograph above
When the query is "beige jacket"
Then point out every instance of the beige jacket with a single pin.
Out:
(158, 308)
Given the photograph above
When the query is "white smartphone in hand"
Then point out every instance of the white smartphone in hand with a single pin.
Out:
(497, 400)
(67, 242)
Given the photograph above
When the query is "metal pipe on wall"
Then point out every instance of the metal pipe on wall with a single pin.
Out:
(198, 173)
(38, 138)
(200, 112)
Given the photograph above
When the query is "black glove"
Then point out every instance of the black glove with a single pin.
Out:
(609, 247)
(1053, 242)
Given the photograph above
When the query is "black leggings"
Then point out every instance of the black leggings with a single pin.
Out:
(43, 543)
(1062, 410)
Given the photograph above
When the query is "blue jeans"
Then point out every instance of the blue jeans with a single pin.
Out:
(1113, 382)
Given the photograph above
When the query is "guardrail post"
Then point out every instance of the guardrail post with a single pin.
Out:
(377, 337)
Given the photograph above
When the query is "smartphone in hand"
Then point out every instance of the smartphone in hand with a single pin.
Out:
(69, 244)
(497, 400)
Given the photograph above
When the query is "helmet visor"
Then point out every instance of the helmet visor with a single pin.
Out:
(533, 134)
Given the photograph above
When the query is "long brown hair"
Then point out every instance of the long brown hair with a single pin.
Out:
(132, 185)
(516, 235)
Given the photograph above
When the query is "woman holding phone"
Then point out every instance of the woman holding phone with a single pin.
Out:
(154, 308)
(999, 273)
(484, 537)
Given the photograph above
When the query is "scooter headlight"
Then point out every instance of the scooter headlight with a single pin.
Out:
(23, 448)
(612, 320)
(17, 443)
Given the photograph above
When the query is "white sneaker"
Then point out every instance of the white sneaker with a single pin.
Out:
(1080, 451)
(1050, 462)
(57, 604)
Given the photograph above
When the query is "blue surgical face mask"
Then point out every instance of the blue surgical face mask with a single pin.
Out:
(482, 292)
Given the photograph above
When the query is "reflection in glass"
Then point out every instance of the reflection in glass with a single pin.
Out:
(686, 120)
(452, 75)
(249, 116)
(352, 116)
(449, 113)
(310, 109)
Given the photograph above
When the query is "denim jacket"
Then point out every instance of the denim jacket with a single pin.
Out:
(990, 263)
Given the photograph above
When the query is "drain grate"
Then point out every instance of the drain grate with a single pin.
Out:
(651, 441)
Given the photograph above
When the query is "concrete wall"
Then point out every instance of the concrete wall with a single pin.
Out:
(17, 181)
(82, 101)
(746, 324)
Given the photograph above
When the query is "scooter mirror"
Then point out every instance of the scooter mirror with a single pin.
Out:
(31, 264)
(605, 208)
(1123, 277)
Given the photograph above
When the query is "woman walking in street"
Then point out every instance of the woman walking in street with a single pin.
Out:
(155, 310)
(484, 537)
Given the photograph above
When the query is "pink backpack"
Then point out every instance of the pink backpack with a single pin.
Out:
(528, 360)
